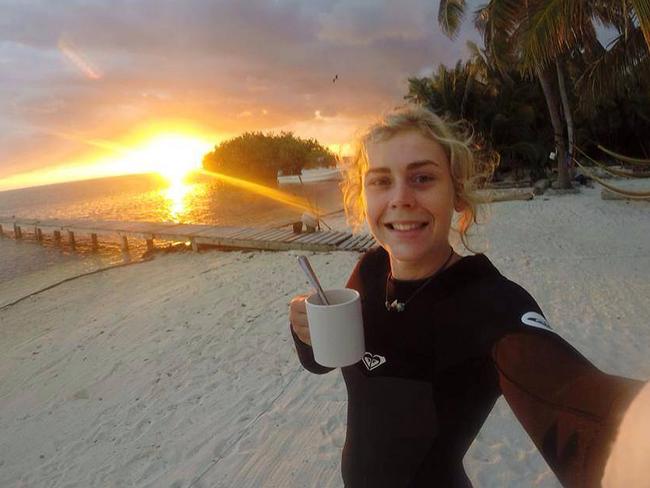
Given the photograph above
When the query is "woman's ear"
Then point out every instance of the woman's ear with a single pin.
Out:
(459, 204)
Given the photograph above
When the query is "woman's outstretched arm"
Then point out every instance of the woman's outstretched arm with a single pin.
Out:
(569, 408)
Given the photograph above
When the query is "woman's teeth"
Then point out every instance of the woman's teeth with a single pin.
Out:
(405, 227)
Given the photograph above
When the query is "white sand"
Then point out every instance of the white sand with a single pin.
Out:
(181, 371)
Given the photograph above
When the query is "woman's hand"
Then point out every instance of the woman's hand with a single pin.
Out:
(298, 318)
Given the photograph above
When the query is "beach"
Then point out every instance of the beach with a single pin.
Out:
(181, 372)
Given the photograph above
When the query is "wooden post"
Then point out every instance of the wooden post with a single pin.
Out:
(93, 240)
(195, 246)
(71, 238)
(18, 233)
(39, 234)
(150, 246)
(125, 244)
(57, 237)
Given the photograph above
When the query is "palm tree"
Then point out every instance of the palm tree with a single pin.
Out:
(446, 91)
(500, 22)
(563, 29)
(540, 34)
(503, 108)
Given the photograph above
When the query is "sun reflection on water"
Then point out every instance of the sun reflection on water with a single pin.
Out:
(176, 196)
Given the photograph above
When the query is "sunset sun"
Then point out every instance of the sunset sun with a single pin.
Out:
(172, 156)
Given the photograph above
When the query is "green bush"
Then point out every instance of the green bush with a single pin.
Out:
(258, 156)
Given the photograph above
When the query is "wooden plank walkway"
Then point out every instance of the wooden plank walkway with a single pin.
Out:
(264, 238)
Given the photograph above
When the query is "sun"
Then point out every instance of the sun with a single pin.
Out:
(173, 156)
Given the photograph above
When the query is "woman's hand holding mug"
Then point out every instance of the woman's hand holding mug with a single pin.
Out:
(298, 318)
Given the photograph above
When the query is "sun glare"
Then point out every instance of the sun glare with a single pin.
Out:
(172, 156)
(171, 148)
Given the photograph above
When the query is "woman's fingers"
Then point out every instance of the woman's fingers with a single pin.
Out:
(298, 318)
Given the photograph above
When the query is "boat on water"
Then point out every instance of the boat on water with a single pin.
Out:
(310, 176)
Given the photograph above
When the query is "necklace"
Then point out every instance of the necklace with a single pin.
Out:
(397, 306)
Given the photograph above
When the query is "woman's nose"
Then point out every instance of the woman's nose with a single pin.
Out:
(402, 195)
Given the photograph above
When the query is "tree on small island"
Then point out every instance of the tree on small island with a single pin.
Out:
(259, 156)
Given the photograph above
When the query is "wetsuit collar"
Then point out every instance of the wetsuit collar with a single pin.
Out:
(466, 270)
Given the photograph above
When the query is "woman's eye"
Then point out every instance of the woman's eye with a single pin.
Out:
(422, 178)
(379, 181)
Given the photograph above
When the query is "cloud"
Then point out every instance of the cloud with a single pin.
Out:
(360, 22)
(230, 66)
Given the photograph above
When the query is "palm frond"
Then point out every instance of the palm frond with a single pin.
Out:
(642, 13)
(420, 90)
(479, 65)
(450, 16)
(481, 17)
(496, 21)
(610, 14)
(474, 51)
(553, 28)
(507, 14)
(503, 16)
(623, 66)
(590, 46)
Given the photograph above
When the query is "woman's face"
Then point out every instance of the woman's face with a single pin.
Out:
(409, 202)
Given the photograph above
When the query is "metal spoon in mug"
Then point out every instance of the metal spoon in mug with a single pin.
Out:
(311, 276)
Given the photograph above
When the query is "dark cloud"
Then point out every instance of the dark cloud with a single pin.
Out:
(229, 65)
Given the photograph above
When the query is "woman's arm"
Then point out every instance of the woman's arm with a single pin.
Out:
(306, 356)
(569, 408)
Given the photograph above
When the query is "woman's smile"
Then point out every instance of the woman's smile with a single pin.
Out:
(411, 230)
(405, 227)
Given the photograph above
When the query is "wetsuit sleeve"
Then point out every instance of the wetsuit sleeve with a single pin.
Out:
(306, 356)
(305, 351)
(569, 408)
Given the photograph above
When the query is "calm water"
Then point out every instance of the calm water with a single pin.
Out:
(203, 200)
(150, 198)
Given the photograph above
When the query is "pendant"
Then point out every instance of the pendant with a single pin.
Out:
(395, 306)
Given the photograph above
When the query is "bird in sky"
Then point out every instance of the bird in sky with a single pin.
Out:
(335, 78)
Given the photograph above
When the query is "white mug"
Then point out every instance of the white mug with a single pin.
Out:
(336, 330)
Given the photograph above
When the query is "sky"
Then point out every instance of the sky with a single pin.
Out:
(84, 83)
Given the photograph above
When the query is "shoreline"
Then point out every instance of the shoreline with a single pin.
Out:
(181, 371)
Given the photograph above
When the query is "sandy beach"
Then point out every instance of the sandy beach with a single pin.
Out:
(181, 371)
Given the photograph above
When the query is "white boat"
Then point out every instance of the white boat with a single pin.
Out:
(310, 176)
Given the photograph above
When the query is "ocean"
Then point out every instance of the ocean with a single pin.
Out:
(147, 197)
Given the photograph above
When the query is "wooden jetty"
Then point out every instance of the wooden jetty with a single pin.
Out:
(267, 238)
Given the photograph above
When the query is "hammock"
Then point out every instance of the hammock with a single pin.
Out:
(627, 159)
(617, 172)
(636, 195)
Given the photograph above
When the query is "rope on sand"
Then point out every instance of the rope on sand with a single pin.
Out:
(49, 287)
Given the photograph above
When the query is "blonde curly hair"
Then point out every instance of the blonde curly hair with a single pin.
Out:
(457, 142)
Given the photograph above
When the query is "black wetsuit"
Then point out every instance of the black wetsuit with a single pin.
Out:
(432, 373)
